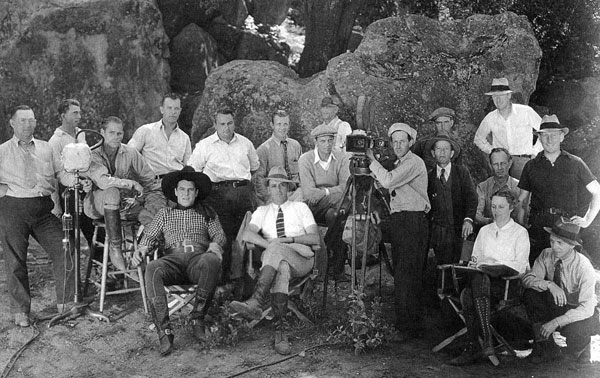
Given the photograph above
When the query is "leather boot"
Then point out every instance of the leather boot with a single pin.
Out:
(471, 353)
(252, 308)
(112, 220)
(544, 350)
(482, 308)
(279, 303)
(160, 316)
(202, 303)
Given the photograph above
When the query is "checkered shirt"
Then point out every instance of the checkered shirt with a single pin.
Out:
(177, 225)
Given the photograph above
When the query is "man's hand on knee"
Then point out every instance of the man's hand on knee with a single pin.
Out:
(138, 256)
(216, 249)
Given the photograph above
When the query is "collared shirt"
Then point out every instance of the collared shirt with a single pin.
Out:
(163, 154)
(508, 246)
(324, 164)
(314, 179)
(446, 171)
(343, 130)
(578, 281)
(514, 133)
(61, 138)
(222, 161)
(28, 168)
(407, 183)
(559, 185)
(485, 189)
(177, 225)
(270, 154)
(297, 217)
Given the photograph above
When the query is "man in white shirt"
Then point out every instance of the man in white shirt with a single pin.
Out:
(286, 229)
(229, 160)
(163, 144)
(510, 126)
(329, 111)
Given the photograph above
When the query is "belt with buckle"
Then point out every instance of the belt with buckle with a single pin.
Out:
(231, 183)
(552, 211)
(523, 155)
(186, 246)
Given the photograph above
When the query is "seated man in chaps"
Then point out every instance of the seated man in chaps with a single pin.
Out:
(194, 241)
(124, 186)
(560, 296)
(286, 229)
(501, 250)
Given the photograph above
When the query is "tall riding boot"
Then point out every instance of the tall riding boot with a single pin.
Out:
(543, 350)
(160, 316)
(252, 308)
(482, 307)
(112, 220)
(279, 302)
(202, 302)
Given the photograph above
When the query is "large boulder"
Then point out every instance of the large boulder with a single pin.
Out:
(193, 56)
(269, 12)
(109, 55)
(235, 12)
(177, 14)
(407, 66)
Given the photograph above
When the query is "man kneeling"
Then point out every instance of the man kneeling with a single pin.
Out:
(288, 230)
(194, 241)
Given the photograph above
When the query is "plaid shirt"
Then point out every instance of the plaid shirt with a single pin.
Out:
(177, 225)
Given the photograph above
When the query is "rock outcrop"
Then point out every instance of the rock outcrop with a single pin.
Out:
(269, 12)
(109, 55)
(407, 66)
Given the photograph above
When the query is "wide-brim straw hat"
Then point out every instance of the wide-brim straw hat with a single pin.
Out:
(278, 174)
(549, 123)
(499, 87)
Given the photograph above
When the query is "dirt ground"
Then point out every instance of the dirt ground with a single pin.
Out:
(128, 348)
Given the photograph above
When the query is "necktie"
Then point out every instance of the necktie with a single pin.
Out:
(280, 225)
(286, 165)
(443, 176)
(558, 273)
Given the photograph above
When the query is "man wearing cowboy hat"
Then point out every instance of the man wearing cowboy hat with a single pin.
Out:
(443, 118)
(560, 296)
(409, 204)
(286, 230)
(194, 241)
(510, 126)
(323, 177)
(329, 110)
(279, 150)
(453, 201)
(556, 183)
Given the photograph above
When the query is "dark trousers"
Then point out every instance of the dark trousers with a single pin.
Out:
(541, 308)
(231, 204)
(446, 243)
(540, 239)
(20, 218)
(202, 269)
(410, 233)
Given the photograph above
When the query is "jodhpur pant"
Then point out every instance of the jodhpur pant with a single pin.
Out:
(410, 233)
(20, 218)
(289, 264)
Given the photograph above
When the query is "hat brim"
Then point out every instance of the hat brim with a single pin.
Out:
(498, 93)
(170, 181)
(431, 142)
(566, 240)
(565, 130)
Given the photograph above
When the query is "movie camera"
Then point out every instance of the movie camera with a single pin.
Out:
(357, 143)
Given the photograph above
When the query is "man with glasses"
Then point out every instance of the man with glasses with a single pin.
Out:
(558, 184)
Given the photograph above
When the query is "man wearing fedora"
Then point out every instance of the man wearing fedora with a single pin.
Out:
(323, 177)
(329, 111)
(193, 240)
(286, 230)
(453, 201)
(443, 118)
(278, 151)
(510, 126)
(556, 183)
(407, 183)
(560, 296)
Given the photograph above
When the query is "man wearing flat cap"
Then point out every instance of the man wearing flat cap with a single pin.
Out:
(443, 118)
(560, 296)
(286, 230)
(329, 111)
(555, 183)
(193, 240)
(510, 126)
(453, 201)
(409, 204)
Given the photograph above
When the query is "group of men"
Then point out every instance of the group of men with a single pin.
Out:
(194, 202)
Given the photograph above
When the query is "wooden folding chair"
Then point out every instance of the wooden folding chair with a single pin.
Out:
(180, 296)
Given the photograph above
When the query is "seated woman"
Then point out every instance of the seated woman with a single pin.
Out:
(501, 250)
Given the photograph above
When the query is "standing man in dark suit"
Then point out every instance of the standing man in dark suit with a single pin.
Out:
(453, 201)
